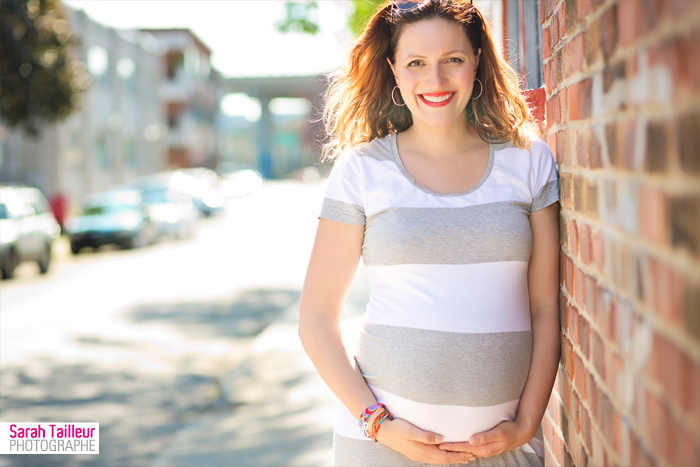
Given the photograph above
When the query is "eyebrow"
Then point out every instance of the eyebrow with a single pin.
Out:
(446, 53)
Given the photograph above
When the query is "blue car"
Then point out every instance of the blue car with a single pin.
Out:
(112, 217)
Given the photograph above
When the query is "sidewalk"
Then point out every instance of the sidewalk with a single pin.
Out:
(274, 411)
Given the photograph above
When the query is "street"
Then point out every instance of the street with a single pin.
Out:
(140, 340)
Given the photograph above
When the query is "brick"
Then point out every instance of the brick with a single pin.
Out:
(687, 449)
(657, 147)
(598, 251)
(591, 298)
(597, 450)
(592, 42)
(584, 337)
(579, 292)
(573, 113)
(583, 136)
(569, 276)
(579, 377)
(583, 8)
(573, 326)
(561, 19)
(585, 243)
(611, 74)
(558, 65)
(690, 374)
(691, 316)
(611, 136)
(573, 238)
(685, 223)
(630, 21)
(627, 134)
(592, 199)
(659, 425)
(596, 155)
(563, 311)
(548, 8)
(620, 270)
(585, 428)
(668, 291)
(571, 15)
(598, 353)
(546, 42)
(579, 193)
(604, 311)
(639, 455)
(689, 143)
(609, 32)
(685, 57)
(642, 272)
(567, 365)
(653, 215)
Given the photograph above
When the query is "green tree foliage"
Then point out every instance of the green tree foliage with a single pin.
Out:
(363, 11)
(39, 79)
(298, 16)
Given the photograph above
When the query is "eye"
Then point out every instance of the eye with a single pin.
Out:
(455, 60)
(415, 63)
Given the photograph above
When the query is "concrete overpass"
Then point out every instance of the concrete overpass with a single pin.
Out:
(267, 88)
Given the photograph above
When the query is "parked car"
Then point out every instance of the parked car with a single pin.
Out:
(202, 185)
(241, 182)
(27, 228)
(116, 216)
(172, 213)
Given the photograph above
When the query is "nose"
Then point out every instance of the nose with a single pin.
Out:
(436, 78)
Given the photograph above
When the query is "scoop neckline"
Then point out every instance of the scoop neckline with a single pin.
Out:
(404, 172)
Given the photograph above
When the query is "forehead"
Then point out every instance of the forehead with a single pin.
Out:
(432, 37)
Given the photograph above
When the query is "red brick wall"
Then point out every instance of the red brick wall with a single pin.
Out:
(623, 118)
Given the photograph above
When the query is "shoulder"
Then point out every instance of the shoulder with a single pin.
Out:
(379, 149)
(539, 149)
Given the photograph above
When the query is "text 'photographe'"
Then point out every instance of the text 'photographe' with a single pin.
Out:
(49, 438)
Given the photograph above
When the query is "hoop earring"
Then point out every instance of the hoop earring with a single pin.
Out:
(482, 88)
(392, 98)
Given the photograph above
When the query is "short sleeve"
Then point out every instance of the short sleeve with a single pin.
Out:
(545, 177)
(342, 201)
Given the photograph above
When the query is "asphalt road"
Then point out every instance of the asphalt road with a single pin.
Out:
(140, 340)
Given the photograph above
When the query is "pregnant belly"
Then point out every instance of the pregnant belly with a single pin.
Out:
(455, 384)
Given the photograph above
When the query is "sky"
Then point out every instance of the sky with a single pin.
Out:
(241, 34)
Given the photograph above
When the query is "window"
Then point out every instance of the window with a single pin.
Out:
(521, 19)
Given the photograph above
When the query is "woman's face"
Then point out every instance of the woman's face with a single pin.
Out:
(435, 67)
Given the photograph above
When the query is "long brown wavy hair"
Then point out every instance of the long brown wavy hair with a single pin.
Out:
(359, 107)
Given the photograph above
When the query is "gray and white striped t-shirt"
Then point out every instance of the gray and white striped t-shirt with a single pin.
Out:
(446, 338)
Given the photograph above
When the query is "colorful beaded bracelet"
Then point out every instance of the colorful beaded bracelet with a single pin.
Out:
(370, 430)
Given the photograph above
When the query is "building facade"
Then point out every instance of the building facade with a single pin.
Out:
(190, 99)
(118, 132)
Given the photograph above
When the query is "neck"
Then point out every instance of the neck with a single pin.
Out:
(442, 141)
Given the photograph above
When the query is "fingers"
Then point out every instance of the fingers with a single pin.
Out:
(464, 446)
(426, 437)
(486, 437)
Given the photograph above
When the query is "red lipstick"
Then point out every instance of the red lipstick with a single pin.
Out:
(437, 94)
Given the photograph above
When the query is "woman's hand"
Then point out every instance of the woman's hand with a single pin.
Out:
(504, 437)
(418, 445)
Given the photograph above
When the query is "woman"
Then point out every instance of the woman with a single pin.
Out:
(442, 189)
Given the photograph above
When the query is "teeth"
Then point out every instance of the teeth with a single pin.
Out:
(438, 99)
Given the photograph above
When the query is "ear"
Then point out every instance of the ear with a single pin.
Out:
(393, 70)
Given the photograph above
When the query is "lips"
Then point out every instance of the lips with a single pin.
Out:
(441, 98)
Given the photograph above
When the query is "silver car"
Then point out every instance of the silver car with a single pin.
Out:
(27, 228)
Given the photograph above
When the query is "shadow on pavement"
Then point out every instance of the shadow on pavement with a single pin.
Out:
(139, 411)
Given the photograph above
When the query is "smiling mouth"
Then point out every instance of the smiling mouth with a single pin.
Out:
(437, 99)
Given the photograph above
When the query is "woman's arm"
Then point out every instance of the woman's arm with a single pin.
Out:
(332, 268)
(543, 287)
